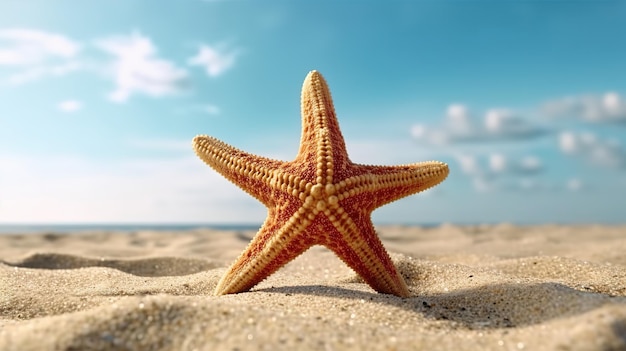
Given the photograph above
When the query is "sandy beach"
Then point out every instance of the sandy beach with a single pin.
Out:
(491, 287)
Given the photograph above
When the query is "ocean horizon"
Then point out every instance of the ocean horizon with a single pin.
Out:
(25, 228)
(33, 228)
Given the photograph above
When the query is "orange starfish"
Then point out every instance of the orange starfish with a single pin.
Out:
(320, 198)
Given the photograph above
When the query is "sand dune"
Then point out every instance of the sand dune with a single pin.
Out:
(473, 288)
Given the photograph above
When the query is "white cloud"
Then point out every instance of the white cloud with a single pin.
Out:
(208, 109)
(70, 105)
(71, 189)
(498, 164)
(137, 69)
(523, 166)
(40, 71)
(498, 172)
(608, 153)
(214, 60)
(483, 185)
(34, 54)
(460, 126)
(469, 165)
(30, 47)
(525, 185)
(530, 164)
(211, 109)
(574, 184)
(568, 142)
(503, 123)
(610, 107)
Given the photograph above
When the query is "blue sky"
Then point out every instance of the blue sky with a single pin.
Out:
(99, 102)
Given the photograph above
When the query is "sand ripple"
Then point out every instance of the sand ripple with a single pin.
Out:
(488, 288)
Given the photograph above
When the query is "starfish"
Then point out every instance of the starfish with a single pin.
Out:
(319, 198)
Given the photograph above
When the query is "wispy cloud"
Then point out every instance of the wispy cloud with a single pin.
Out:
(526, 165)
(70, 105)
(574, 184)
(520, 185)
(40, 71)
(460, 126)
(497, 171)
(214, 59)
(610, 107)
(498, 164)
(34, 54)
(137, 68)
(590, 148)
(30, 47)
(133, 62)
(209, 109)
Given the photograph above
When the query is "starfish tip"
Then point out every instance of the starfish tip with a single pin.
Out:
(314, 74)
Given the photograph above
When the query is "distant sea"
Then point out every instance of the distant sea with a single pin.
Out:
(72, 228)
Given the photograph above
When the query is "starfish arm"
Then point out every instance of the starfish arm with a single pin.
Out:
(252, 173)
(322, 145)
(270, 249)
(360, 248)
(386, 184)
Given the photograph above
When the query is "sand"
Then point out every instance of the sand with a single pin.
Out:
(497, 287)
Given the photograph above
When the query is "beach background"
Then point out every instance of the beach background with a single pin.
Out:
(486, 287)
(113, 234)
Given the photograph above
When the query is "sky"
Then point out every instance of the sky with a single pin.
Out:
(99, 101)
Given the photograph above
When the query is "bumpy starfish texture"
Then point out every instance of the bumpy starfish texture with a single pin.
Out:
(320, 198)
